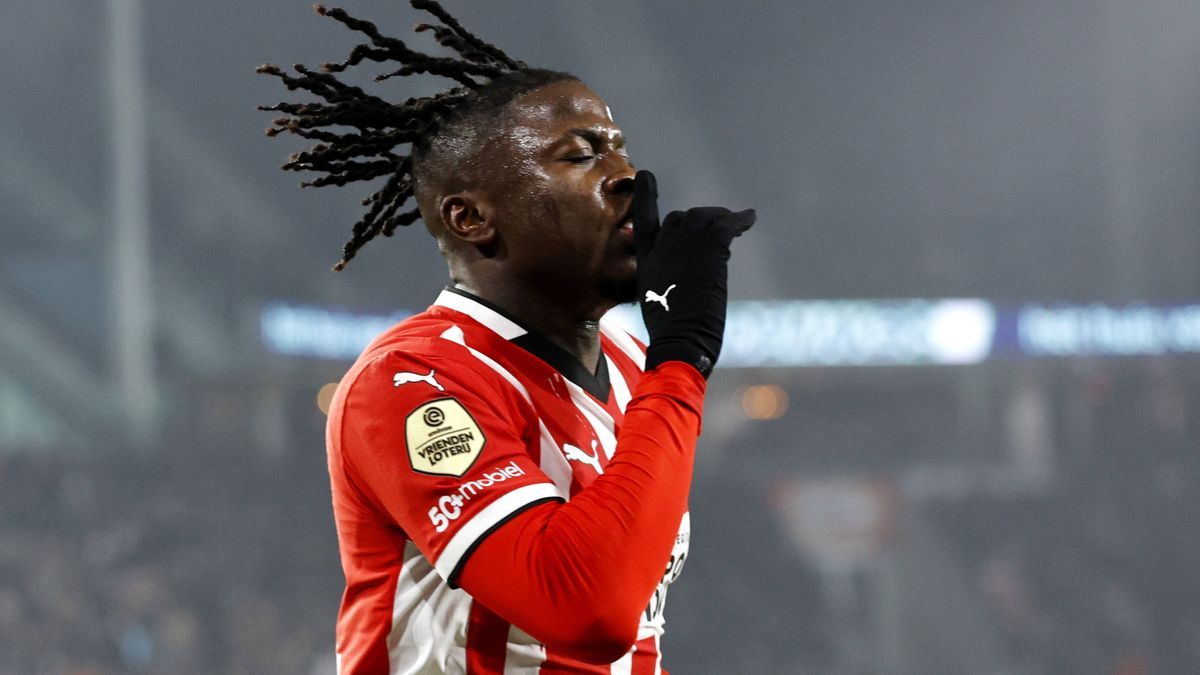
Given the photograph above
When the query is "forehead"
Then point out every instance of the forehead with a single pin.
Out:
(556, 108)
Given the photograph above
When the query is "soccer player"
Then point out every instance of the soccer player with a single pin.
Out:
(509, 472)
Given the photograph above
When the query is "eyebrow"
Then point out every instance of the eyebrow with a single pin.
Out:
(596, 138)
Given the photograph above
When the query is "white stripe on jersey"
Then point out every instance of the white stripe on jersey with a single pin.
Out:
(623, 340)
(619, 386)
(624, 665)
(487, 316)
(470, 531)
(525, 654)
(552, 462)
(602, 422)
(427, 621)
(456, 335)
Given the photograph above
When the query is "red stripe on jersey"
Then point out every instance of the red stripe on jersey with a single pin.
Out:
(487, 641)
(645, 657)
(645, 661)
(365, 617)
(557, 664)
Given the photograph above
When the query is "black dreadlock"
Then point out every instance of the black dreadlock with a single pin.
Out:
(488, 79)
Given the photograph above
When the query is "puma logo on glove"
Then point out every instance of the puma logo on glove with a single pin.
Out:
(651, 296)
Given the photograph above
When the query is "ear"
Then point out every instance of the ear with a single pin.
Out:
(467, 219)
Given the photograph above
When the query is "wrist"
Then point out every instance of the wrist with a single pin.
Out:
(676, 381)
(660, 352)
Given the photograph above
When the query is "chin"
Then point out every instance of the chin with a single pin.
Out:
(619, 291)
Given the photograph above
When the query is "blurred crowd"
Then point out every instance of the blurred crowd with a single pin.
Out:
(206, 556)
(1099, 575)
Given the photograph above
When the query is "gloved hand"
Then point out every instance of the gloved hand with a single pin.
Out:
(683, 276)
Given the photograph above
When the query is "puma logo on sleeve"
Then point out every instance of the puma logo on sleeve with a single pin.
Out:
(408, 378)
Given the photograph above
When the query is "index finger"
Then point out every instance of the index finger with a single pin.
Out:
(644, 211)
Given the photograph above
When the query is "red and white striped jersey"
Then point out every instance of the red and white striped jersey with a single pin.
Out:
(450, 424)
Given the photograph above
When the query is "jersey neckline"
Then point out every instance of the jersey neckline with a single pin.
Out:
(508, 327)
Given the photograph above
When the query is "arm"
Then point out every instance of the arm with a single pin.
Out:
(578, 575)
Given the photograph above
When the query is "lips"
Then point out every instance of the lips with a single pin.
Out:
(624, 227)
(625, 232)
(626, 220)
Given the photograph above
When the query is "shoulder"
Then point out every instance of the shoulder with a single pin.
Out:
(416, 365)
(394, 395)
(422, 341)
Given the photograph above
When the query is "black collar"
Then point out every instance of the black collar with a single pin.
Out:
(597, 384)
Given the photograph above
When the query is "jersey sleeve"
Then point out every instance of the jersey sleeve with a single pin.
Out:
(442, 451)
(584, 571)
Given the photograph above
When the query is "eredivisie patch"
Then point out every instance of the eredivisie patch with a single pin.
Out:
(443, 438)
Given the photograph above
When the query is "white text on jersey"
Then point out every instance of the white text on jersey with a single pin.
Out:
(449, 506)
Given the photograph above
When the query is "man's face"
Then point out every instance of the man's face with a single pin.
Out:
(559, 185)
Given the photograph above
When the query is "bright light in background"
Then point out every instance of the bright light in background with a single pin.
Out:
(827, 333)
(1081, 330)
(302, 330)
(774, 333)
(960, 331)
(763, 401)
(325, 396)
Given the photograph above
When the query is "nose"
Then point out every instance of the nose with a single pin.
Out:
(620, 183)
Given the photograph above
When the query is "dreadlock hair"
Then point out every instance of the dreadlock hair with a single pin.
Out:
(357, 134)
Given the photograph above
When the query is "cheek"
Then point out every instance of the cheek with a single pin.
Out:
(528, 185)
(564, 211)
(581, 201)
(520, 200)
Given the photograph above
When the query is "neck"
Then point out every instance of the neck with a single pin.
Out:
(571, 324)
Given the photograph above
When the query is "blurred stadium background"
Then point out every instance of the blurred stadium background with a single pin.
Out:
(956, 427)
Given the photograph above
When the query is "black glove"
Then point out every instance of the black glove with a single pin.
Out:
(682, 276)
